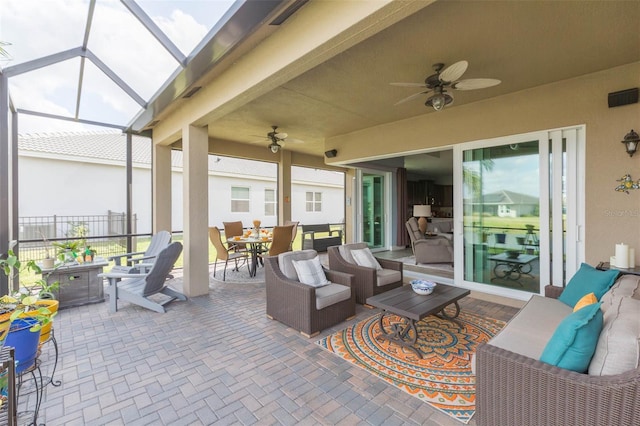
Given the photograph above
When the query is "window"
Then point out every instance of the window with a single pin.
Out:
(270, 202)
(314, 201)
(239, 200)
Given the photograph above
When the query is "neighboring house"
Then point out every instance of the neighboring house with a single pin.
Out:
(83, 174)
(508, 204)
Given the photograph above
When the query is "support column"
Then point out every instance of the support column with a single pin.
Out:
(4, 175)
(195, 148)
(284, 187)
(161, 184)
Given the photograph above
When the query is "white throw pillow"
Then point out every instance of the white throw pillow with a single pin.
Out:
(364, 257)
(618, 348)
(310, 272)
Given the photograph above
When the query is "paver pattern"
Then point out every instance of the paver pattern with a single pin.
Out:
(216, 359)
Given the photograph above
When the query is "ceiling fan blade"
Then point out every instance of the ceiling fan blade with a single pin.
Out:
(280, 135)
(408, 84)
(453, 72)
(414, 96)
(475, 83)
(293, 140)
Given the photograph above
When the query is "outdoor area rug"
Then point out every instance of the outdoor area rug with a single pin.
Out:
(236, 277)
(442, 378)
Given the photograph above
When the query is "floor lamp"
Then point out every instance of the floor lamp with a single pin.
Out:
(422, 212)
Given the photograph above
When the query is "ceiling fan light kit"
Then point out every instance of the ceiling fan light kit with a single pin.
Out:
(446, 78)
(274, 147)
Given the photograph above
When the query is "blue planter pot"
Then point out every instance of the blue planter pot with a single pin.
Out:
(24, 341)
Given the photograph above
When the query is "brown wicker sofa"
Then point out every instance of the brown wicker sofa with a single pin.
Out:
(515, 389)
(295, 304)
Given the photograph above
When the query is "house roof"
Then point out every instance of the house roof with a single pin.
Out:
(110, 147)
(504, 197)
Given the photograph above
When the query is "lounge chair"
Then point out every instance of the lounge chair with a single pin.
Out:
(308, 308)
(428, 250)
(141, 261)
(368, 280)
(136, 288)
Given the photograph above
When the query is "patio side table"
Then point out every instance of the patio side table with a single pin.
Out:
(79, 283)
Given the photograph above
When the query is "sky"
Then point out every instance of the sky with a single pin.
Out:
(518, 174)
(36, 28)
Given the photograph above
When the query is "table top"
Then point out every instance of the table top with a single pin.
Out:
(249, 240)
(404, 301)
(522, 259)
(99, 262)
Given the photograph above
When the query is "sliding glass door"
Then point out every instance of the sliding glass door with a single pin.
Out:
(511, 197)
(374, 205)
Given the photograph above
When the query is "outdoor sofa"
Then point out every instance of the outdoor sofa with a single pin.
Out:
(311, 241)
(514, 387)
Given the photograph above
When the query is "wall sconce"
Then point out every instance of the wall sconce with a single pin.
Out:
(630, 142)
(422, 212)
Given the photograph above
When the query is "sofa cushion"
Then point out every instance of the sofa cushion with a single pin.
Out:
(330, 294)
(310, 272)
(520, 337)
(586, 300)
(387, 276)
(364, 257)
(626, 286)
(574, 341)
(586, 280)
(618, 348)
(286, 265)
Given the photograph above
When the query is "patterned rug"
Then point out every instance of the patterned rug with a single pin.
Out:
(442, 378)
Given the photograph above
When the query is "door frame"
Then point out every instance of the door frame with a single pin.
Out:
(359, 230)
(575, 206)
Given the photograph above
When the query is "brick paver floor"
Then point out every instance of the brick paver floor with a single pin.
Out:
(216, 359)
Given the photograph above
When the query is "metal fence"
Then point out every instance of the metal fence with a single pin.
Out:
(104, 233)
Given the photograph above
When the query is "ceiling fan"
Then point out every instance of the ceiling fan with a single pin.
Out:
(443, 79)
(277, 139)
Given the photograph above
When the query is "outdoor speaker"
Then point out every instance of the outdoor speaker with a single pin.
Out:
(623, 97)
(331, 154)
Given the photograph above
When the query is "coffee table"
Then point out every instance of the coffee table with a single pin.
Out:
(412, 307)
(512, 268)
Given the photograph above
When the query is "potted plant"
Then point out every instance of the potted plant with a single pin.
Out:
(38, 302)
(48, 262)
(66, 250)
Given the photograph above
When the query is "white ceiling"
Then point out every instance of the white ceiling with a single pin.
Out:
(524, 44)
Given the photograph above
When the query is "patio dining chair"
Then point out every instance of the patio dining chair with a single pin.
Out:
(222, 253)
(234, 229)
(294, 231)
(141, 261)
(281, 240)
(137, 288)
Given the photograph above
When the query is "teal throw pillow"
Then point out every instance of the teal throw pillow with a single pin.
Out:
(574, 342)
(587, 280)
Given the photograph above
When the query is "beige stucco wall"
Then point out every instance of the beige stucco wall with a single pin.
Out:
(611, 217)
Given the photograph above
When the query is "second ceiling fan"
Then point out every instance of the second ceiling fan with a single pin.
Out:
(443, 79)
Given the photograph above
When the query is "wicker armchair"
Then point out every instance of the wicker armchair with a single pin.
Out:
(368, 281)
(512, 389)
(294, 304)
